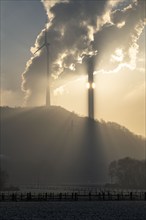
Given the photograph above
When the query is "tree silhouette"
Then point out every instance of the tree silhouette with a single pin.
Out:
(128, 173)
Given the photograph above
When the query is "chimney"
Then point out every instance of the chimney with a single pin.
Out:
(91, 87)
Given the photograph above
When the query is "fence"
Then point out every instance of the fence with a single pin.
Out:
(101, 196)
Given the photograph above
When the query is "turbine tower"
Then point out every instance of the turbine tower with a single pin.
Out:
(46, 44)
(91, 87)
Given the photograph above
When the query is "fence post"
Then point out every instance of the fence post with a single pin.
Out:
(28, 196)
(118, 196)
(103, 196)
(46, 196)
(109, 196)
(13, 197)
(76, 196)
(99, 196)
(21, 197)
(3, 197)
(60, 196)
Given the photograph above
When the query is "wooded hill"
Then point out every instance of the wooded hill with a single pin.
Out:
(53, 145)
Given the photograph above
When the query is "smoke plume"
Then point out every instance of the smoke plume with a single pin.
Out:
(108, 30)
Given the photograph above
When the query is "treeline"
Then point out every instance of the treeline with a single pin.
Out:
(3, 179)
(128, 173)
(4, 186)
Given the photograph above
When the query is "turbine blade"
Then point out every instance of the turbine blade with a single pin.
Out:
(39, 48)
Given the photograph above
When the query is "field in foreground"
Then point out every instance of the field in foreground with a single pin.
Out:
(102, 210)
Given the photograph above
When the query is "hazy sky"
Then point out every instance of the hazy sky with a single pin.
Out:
(113, 31)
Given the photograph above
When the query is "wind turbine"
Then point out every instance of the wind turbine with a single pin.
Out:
(46, 44)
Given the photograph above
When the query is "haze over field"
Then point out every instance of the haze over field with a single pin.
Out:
(111, 31)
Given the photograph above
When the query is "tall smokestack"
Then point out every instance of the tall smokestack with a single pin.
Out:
(91, 87)
(48, 96)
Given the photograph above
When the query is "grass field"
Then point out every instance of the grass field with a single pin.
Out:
(101, 210)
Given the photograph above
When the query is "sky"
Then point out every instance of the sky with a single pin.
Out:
(113, 32)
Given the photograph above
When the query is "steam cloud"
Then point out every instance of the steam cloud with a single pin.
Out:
(81, 28)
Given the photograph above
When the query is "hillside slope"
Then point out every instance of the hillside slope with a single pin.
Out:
(55, 145)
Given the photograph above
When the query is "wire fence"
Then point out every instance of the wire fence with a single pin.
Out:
(101, 196)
